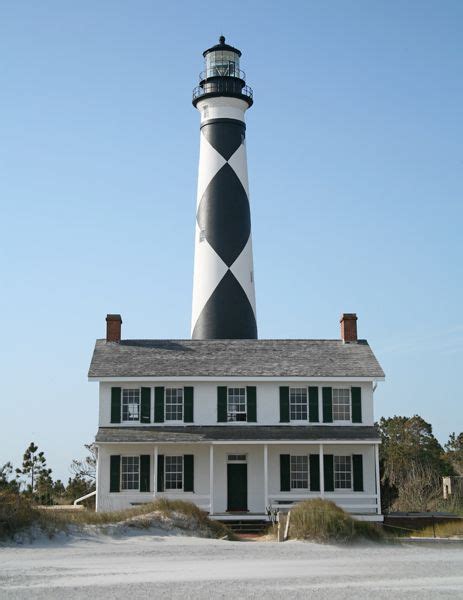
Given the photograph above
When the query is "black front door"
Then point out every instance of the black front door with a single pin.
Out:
(237, 486)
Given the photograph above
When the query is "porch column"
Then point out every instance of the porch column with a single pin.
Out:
(211, 479)
(322, 472)
(155, 471)
(265, 476)
(378, 481)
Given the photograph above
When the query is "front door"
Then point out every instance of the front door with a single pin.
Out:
(237, 487)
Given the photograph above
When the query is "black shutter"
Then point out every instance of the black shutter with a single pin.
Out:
(252, 404)
(284, 405)
(159, 405)
(115, 405)
(327, 395)
(145, 409)
(285, 475)
(188, 405)
(356, 395)
(313, 404)
(145, 473)
(222, 404)
(188, 473)
(314, 472)
(328, 472)
(160, 482)
(114, 473)
(357, 467)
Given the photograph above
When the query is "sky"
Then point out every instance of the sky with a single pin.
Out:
(355, 164)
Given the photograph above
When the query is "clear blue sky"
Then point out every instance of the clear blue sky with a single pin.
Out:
(355, 158)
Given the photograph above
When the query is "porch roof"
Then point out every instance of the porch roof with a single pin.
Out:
(237, 433)
(233, 358)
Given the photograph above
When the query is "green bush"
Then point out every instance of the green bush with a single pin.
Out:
(323, 521)
(16, 513)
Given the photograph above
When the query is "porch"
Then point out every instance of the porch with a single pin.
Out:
(261, 476)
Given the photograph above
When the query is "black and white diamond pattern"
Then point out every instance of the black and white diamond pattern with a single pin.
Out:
(223, 291)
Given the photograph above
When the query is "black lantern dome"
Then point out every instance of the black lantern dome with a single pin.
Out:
(222, 75)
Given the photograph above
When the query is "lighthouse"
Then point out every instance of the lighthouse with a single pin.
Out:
(224, 305)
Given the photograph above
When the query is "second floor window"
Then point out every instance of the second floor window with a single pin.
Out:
(298, 404)
(341, 404)
(236, 404)
(174, 404)
(130, 405)
(299, 472)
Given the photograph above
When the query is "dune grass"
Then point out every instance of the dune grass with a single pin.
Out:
(442, 530)
(321, 520)
(17, 513)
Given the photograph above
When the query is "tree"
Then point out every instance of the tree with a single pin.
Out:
(58, 488)
(44, 487)
(454, 450)
(86, 468)
(410, 458)
(5, 482)
(78, 487)
(34, 465)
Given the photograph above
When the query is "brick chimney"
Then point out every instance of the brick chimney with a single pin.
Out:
(113, 328)
(348, 327)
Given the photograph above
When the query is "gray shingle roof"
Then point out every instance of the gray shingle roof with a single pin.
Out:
(234, 358)
(195, 434)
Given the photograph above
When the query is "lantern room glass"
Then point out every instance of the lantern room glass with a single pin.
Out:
(222, 63)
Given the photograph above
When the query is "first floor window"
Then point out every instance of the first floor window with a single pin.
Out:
(343, 472)
(236, 409)
(298, 404)
(341, 404)
(130, 405)
(174, 472)
(130, 473)
(299, 472)
(174, 404)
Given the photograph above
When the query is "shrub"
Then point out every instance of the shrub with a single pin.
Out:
(323, 521)
(16, 513)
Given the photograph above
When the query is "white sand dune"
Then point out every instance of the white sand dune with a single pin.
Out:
(142, 565)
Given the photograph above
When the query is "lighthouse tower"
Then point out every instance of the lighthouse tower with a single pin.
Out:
(224, 305)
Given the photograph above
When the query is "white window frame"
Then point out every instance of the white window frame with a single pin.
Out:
(129, 490)
(173, 490)
(166, 420)
(341, 421)
(298, 489)
(304, 421)
(343, 489)
(128, 389)
(245, 413)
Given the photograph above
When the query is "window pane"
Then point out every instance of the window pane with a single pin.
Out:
(342, 472)
(130, 472)
(299, 472)
(236, 404)
(341, 404)
(174, 472)
(130, 405)
(174, 404)
(298, 404)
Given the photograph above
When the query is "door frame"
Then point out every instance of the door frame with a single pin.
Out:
(238, 461)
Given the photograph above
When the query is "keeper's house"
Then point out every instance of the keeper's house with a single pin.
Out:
(237, 426)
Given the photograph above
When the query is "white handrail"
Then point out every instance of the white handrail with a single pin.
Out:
(76, 502)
